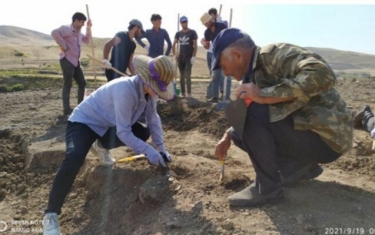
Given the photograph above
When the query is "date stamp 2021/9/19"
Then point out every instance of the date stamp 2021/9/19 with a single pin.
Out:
(349, 231)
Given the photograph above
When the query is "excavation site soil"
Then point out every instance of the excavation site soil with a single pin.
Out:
(135, 198)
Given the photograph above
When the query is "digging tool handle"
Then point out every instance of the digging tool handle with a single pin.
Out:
(114, 69)
(92, 47)
(132, 158)
(222, 162)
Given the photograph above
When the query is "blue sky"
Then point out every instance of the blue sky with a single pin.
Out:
(330, 24)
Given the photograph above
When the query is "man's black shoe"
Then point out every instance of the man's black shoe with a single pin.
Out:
(308, 172)
(213, 100)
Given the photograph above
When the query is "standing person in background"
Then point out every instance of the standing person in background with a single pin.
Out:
(186, 56)
(156, 37)
(70, 38)
(213, 29)
(123, 48)
(217, 18)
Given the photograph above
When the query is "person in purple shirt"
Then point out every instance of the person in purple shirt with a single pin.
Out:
(156, 37)
(70, 38)
(115, 107)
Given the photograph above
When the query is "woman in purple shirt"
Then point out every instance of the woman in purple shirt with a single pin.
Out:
(108, 118)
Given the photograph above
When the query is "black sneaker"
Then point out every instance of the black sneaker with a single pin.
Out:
(358, 116)
(213, 100)
(308, 172)
(68, 111)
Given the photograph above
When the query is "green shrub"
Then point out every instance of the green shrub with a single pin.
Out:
(17, 87)
(17, 53)
(3, 88)
(85, 62)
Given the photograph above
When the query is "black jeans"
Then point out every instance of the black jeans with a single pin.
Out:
(276, 147)
(70, 72)
(184, 65)
(79, 138)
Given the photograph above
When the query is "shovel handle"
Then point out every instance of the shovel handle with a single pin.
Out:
(101, 63)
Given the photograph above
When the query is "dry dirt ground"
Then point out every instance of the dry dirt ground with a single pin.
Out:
(105, 200)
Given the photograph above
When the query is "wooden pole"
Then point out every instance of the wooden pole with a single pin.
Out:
(230, 18)
(178, 45)
(221, 6)
(92, 48)
(114, 69)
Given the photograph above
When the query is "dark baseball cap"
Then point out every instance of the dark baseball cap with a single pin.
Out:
(183, 19)
(222, 41)
(137, 23)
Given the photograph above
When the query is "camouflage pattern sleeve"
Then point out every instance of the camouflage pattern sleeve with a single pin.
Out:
(301, 73)
(285, 70)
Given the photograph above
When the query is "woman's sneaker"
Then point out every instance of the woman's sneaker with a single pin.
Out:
(104, 155)
(51, 225)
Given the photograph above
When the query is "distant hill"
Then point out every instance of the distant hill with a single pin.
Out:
(17, 35)
(342, 60)
(41, 46)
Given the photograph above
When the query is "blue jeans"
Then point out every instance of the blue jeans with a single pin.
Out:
(70, 72)
(79, 138)
(228, 87)
(217, 78)
(184, 65)
(276, 147)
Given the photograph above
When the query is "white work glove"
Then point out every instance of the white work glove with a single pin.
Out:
(155, 158)
(147, 48)
(107, 64)
(192, 60)
(373, 133)
(219, 19)
(203, 42)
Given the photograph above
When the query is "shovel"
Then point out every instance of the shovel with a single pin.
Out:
(221, 105)
(176, 90)
(235, 112)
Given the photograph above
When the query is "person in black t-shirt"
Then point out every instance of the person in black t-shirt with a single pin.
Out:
(185, 57)
(123, 48)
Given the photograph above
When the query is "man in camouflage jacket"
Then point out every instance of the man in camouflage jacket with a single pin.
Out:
(296, 119)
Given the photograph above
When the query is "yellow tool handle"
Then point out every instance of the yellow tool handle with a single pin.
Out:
(132, 158)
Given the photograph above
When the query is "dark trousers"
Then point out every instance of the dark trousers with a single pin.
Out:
(184, 65)
(70, 72)
(79, 138)
(276, 147)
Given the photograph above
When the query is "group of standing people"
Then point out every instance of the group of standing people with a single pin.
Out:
(118, 52)
(296, 120)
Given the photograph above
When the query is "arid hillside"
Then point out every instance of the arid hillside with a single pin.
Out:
(21, 48)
